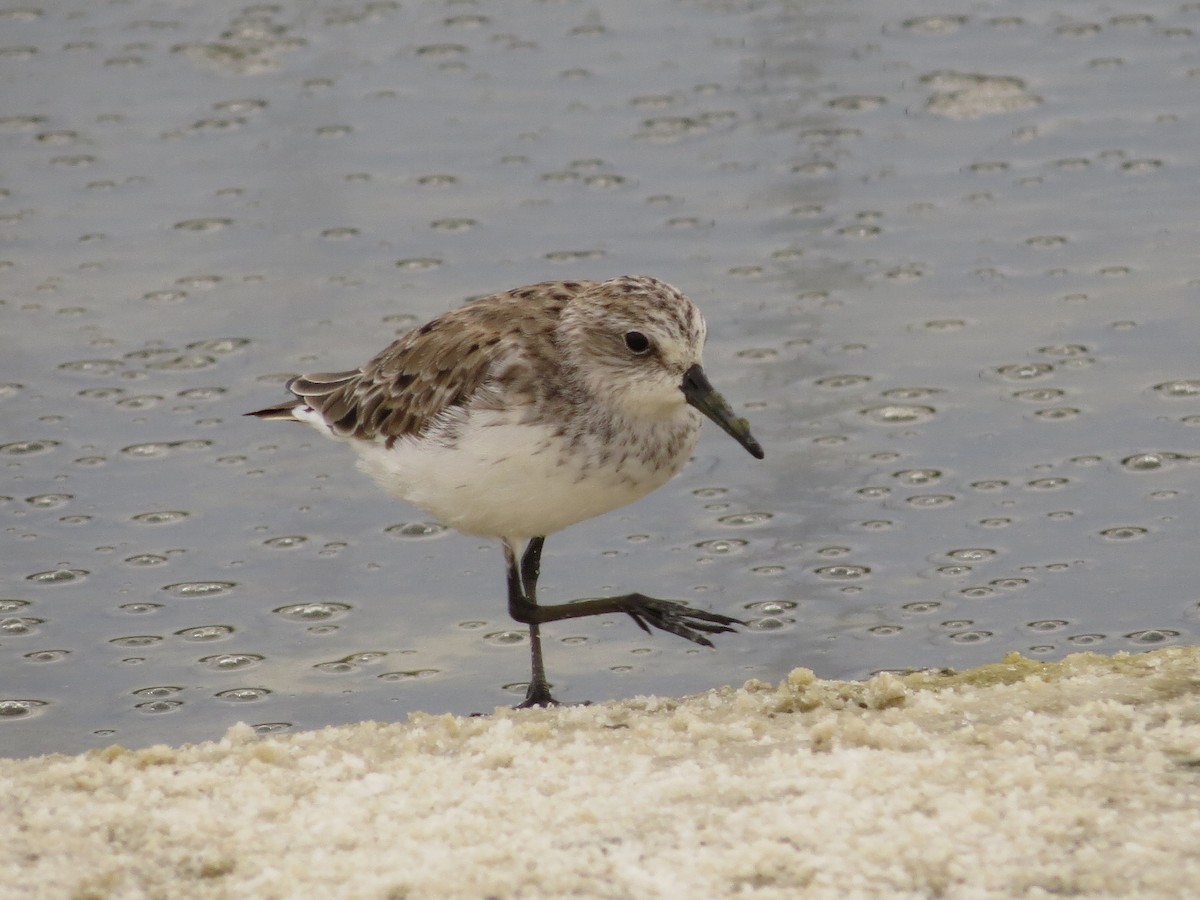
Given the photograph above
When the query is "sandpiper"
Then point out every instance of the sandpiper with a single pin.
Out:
(530, 410)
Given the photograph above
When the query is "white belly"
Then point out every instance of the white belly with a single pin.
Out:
(510, 480)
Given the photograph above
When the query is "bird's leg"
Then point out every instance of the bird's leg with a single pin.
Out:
(522, 606)
(667, 615)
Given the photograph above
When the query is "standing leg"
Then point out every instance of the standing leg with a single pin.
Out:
(522, 596)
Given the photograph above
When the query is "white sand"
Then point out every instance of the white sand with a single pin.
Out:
(1016, 779)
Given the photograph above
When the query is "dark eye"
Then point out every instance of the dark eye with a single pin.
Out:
(637, 342)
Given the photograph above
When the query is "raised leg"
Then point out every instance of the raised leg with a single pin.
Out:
(648, 612)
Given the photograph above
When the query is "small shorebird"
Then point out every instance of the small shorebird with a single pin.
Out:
(527, 411)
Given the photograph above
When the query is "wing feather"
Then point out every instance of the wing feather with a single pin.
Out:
(437, 368)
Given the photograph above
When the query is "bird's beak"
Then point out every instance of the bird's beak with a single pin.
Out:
(704, 397)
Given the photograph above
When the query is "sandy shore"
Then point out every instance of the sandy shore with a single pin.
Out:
(1016, 779)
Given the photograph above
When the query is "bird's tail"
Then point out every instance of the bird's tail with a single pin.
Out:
(284, 411)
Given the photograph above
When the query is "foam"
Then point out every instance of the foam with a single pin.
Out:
(1020, 778)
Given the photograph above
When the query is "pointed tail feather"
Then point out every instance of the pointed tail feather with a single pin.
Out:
(284, 411)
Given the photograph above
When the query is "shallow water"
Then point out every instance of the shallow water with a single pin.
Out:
(947, 263)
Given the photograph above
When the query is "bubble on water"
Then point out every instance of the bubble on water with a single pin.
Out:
(19, 626)
(573, 255)
(977, 593)
(1057, 414)
(930, 501)
(193, 589)
(757, 354)
(1149, 462)
(19, 709)
(1141, 166)
(146, 559)
(28, 448)
(935, 25)
(922, 607)
(1064, 350)
(913, 477)
(1153, 636)
(771, 623)
(202, 633)
(842, 573)
(160, 517)
(165, 296)
(833, 552)
(1040, 395)
(885, 630)
(990, 484)
(769, 570)
(457, 224)
(137, 640)
(1124, 533)
(408, 675)
(898, 414)
(183, 362)
(744, 519)
(317, 611)
(1010, 584)
(286, 541)
(1087, 640)
(220, 345)
(838, 382)
(147, 451)
(971, 554)
(139, 607)
(47, 656)
(974, 636)
(49, 501)
(159, 691)
(1024, 371)
(1186, 387)
(416, 530)
(203, 393)
(771, 607)
(1047, 625)
(721, 546)
(230, 662)
(506, 638)
(58, 576)
(419, 264)
(954, 571)
(910, 393)
(204, 225)
(243, 695)
(1047, 484)
(142, 401)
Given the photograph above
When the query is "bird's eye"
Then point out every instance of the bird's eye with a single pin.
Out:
(637, 342)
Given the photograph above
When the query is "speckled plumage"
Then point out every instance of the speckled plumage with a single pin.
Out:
(526, 411)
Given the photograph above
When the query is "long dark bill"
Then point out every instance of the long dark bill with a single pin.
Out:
(702, 395)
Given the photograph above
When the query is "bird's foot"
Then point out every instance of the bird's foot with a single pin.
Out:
(675, 617)
(538, 694)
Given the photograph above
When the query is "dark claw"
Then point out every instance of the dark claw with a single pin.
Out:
(677, 618)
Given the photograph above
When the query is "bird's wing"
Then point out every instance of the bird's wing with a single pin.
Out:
(434, 369)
